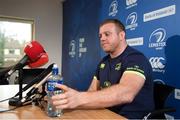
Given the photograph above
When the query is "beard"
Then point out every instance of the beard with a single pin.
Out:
(107, 49)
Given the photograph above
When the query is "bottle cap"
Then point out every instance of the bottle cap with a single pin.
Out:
(55, 69)
(55, 66)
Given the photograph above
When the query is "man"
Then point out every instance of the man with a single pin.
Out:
(122, 81)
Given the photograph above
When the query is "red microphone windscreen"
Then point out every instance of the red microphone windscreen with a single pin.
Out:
(40, 62)
(34, 50)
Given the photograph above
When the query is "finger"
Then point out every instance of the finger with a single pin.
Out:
(60, 102)
(59, 97)
(64, 106)
(63, 87)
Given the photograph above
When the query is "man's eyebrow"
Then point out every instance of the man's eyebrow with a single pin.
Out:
(105, 32)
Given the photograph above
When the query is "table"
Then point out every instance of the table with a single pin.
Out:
(34, 112)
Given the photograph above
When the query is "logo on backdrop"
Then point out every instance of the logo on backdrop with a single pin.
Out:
(135, 41)
(113, 8)
(82, 49)
(72, 48)
(158, 64)
(160, 13)
(159, 81)
(131, 21)
(157, 39)
(131, 3)
(177, 94)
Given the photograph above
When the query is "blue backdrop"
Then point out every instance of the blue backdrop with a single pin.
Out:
(152, 27)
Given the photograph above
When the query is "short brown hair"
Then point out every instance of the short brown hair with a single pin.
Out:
(117, 22)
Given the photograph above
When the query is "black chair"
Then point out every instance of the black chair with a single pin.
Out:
(161, 93)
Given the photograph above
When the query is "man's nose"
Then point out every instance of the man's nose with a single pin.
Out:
(103, 37)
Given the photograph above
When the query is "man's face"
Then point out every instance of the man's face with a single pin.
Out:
(109, 37)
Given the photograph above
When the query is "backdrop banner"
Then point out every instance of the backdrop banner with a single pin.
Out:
(151, 26)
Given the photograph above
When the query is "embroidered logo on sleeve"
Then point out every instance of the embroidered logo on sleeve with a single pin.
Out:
(118, 66)
(102, 66)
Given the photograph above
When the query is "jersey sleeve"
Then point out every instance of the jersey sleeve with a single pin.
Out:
(137, 64)
(96, 74)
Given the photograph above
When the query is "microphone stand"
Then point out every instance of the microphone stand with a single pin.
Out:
(16, 101)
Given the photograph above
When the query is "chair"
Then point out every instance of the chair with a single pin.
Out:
(161, 93)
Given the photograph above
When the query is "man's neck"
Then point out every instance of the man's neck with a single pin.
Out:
(118, 52)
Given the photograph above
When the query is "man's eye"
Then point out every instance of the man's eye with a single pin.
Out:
(107, 34)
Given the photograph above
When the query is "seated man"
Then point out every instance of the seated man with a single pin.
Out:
(122, 81)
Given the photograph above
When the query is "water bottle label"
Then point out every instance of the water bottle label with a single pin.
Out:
(51, 85)
(60, 81)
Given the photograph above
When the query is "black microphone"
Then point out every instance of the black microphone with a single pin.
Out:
(19, 65)
(37, 79)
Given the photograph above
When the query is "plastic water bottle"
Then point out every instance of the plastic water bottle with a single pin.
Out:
(52, 90)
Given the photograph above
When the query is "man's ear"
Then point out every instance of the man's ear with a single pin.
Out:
(122, 35)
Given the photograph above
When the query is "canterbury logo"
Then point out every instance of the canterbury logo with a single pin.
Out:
(157, 62)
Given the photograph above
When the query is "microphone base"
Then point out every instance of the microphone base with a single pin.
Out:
(15, 102)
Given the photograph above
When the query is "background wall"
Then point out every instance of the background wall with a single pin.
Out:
(81, 50)
(152, 27)
(48, 22)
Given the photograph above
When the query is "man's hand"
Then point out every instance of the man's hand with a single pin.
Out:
(69, 99)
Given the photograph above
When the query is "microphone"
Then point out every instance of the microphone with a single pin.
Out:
(40, 62)
(37, 79)
(33, 52)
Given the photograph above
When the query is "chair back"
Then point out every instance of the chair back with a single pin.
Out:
(161, 93)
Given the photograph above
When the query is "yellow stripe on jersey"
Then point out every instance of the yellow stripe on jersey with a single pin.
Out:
(137, 73)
